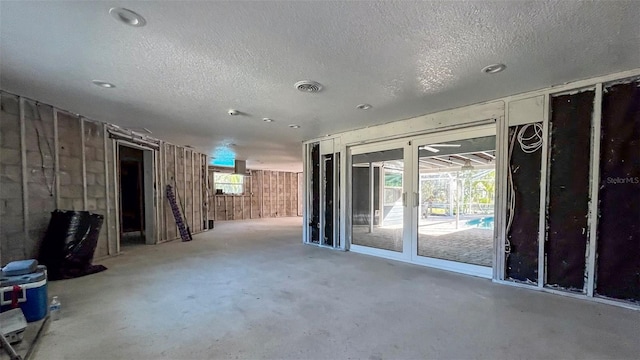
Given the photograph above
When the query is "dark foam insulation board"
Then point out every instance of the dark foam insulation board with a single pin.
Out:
(328, 200)
(568, 190)
(618, 264)
(315, 193)
(522, 260)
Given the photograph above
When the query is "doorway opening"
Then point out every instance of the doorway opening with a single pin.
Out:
(135, 169)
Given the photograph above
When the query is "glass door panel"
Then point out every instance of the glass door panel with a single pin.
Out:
(378, 199)
(456, 190)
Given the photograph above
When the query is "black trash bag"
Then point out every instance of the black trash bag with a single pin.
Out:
(68, 246)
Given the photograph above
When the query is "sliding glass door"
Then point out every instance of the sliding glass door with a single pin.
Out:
(455, 180)
(427, 199)
(379, 199)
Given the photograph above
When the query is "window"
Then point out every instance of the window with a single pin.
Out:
(229, 183)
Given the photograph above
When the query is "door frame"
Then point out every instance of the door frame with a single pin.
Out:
(405, 145)
(410, 189)
(149, 159)
(452, 135)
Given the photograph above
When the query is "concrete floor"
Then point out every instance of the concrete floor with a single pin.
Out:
(251, 290)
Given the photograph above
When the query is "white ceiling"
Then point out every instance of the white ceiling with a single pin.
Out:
(178, 75)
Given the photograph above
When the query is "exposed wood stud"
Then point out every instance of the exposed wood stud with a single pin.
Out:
(175, 178)
(184, 185)
(261, 191)
(56, 158)
(193, 194)
(543, 192)
(595, 181)
(116, 192)
(106, 186)
(163, 185)
(84, 163)
(25, 190)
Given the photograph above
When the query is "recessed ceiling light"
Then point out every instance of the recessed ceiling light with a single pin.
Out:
(308, 86)
(103, 84)
(233, 112)
(267, 120)
(494, 68)
(294, 126)
(364, 106)
(127, 17)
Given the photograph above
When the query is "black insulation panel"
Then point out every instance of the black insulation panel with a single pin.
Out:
(522, 260)
(568, 190)
(618, 265)
(328, 200)
(315, 194)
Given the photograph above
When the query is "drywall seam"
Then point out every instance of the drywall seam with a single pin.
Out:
(594, 176)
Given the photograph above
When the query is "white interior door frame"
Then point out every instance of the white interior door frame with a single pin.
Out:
(149, 163)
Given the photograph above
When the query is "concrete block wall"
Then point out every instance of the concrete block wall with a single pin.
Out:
(267, 194)
(52, 159)
(183, 169)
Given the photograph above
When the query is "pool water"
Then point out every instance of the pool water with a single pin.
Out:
(484, 223)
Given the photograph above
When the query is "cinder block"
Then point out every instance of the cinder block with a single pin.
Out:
(100, 180)
(12, 207)
(10, 156)
(10, 173)
(10, 138)
(99, 153)
(12, 224)
(95, 166)
(91, 178)
(92, 204)
(101, 204)
(35, 159)
(89, 153)
(95, 191)
(71, 192)
(64, 178)
(9, 104)
(70, 164)
(10, 190)
(70, 149)
(39, 190)
(92, 129)
(77, 204)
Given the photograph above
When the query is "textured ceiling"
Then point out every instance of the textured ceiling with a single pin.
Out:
(178, 75)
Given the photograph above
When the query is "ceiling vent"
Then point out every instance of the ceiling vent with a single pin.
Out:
(308, 86)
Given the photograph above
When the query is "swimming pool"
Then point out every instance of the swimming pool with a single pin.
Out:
(484, 222)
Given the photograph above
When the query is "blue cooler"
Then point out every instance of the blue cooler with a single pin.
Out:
(27, 291)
